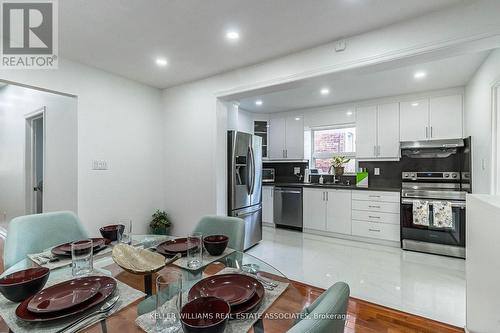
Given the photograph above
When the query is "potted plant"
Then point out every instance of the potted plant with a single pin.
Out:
(338, 163)
(160, 224)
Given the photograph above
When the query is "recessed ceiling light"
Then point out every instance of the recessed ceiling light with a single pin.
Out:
(259, 102)
(297, 118)
(349, 113)
(419, 75)
(162, 62)
(232, 35)
(414, 104)
(325, 91)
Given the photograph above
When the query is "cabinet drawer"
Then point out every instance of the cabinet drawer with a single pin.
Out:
(376, 206)
(377, 217)
(376, 196)
(376, 230)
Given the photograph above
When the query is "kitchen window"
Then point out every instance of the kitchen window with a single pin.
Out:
(327, 142)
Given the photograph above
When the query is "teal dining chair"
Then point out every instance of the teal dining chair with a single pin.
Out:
(232, 227)
(327, 313)
(35, 233)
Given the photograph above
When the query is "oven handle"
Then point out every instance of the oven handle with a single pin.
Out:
(459, 204)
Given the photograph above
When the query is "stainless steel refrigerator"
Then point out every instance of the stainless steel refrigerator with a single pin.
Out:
(245, 183)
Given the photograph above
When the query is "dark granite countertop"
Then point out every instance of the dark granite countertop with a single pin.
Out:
(334, 186)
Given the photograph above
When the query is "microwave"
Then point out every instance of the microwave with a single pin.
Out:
(267, 175)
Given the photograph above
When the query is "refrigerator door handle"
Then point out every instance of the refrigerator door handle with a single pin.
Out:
(252, 160)
(249, 172)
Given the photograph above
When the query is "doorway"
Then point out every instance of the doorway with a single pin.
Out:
(35, 161)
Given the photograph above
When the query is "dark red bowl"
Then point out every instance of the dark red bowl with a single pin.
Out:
(20, 285)
(111, 232)
(205, 315)
(215, 244)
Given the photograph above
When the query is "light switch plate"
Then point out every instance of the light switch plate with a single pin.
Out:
(296, 170)
(376, 171)
(99, 165)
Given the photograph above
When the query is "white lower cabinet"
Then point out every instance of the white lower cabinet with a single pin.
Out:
(376, 215)
(314, 209)
(327, 210)
(376, 230)
(268, 204)
(338, 211)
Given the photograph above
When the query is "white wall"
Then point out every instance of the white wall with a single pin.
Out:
(60, 181)
(198, 144)
(120, 121)
(478, 121)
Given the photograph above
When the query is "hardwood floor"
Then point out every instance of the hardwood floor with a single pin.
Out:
(363, 317)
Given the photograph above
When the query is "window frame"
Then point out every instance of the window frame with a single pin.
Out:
(350, 155)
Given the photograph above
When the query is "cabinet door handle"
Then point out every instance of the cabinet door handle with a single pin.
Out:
(323, 196)
(373, 206)
(286, 153)
(326, 196)
(426, 132)
(374, 196)
(431, 131)
(378, 150)
(374, 217)
(374, 150)
(375, 230)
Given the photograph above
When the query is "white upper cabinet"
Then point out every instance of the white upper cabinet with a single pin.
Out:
(446, 117)
(276, 138)
(432, 119)
(377, 132)
(414, 120)
(286, 138)
(294, 138)
(388, 131)
(366, 132)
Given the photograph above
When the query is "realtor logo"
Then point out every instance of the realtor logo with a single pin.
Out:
(29, 31)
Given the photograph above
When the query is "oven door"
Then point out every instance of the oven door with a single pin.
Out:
(447, 236)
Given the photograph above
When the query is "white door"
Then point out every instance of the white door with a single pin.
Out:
(414, 120)
(314, 209)
(294, 138)
(388, 131)
(338, 211)
(366, 132)
(267, 204)
(446, 117)
(276, 138)
(35, 162)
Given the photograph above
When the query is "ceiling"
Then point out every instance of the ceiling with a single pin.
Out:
(348, 87)
(125, 36)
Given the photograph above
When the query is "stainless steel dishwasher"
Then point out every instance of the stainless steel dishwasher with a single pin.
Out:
(288, 207)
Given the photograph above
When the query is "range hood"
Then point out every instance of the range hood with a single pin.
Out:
(432, 144)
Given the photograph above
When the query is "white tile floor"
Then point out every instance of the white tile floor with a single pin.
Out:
(427, 285)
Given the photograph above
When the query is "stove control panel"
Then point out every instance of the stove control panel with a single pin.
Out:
(430, 175)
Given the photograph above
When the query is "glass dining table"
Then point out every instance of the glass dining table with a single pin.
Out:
(278, 317)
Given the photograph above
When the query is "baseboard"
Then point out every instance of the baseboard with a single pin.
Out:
(353, 238)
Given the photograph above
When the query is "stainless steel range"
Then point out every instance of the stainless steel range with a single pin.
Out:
(421, 193)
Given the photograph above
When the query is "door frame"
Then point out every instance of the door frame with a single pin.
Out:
(30, 199)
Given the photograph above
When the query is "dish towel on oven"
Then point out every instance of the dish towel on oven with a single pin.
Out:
(443, 217)
(421, 212)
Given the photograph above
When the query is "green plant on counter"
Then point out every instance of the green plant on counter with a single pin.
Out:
(339, 161)
(160, 220)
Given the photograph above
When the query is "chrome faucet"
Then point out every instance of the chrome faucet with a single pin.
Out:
(299, 176)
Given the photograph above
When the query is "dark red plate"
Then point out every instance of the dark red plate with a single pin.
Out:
(173, 246)
(253, 303)
(58, 252)
(64, 295)
(66, 247)
(233, 288)
(108, 285)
